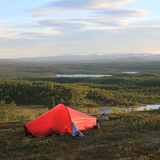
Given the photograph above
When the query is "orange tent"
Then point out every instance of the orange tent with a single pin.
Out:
(59, 120)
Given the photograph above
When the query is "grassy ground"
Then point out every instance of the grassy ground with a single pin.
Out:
(33, 110)
(134, 135)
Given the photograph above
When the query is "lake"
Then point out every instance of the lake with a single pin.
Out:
(91, 75)
(81, 75)
(140, 108)
(131, 72)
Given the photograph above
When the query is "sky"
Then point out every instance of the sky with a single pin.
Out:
(35, 28)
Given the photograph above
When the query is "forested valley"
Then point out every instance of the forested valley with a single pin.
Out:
(27, 90)
(26, 83)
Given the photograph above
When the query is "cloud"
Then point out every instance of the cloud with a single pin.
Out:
(118, 12)
(92, 14)
(62, 24)
(80, 27)
(47, 34)
(41, 12)
(150, 23)
(124, 40)
(85, 4)
(106, 37)
(101, 18)
(2, 35)
(74, 5)
(150, 50)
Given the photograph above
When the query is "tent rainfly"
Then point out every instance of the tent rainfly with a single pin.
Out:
(61, 119)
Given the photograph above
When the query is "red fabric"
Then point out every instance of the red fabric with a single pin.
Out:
(82, 121)
(59, 120)
(55, 121)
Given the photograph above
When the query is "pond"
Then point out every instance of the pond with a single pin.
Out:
(147, 107)
(133, 72)
(81, 75)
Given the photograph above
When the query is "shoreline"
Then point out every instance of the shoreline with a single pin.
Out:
(111, 107)
(42, 107)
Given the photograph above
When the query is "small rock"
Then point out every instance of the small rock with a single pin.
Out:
(26, 139)
(104, 114)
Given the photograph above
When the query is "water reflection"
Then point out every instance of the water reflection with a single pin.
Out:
(81, 75)
(148, 107)
(131, 72)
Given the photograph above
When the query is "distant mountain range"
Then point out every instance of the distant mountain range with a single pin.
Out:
(119, 57)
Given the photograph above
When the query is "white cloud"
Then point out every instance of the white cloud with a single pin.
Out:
(41, 12)
(118, 12)
(49, 30)
(92, 14)
(150, 23)
(46, 34)
(62, 24)
(2, 35)
(150, 50)
(85, 4)
(54, 21)
(74, 5)
(102, 19)
(81, 27)
(133, 40)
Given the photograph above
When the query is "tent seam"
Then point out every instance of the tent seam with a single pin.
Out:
(68, 113)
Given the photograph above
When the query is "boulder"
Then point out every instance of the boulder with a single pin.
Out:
(103, 116)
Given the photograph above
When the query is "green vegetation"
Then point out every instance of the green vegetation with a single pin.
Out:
(28, 90)
(9, 113)
(52, 103)
(16, 70)
(119, 90)
(127, 136)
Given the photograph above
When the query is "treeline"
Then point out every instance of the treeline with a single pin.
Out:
(139, 80)
(16, 70)
(25, 92)
(120, 90)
